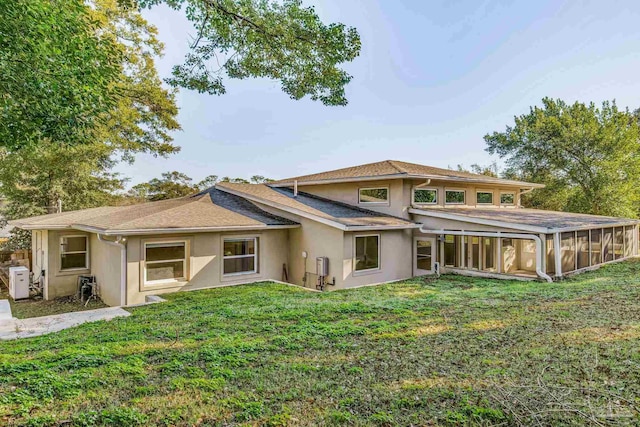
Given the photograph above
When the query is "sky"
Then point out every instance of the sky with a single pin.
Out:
(432, 79)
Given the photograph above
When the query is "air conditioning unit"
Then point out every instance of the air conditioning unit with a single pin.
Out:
(19, 282)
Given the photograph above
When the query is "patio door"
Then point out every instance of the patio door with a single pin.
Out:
(424, 256)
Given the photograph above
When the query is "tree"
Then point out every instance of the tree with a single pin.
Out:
(169, 186)
(588, 157)
(56, 71)
(488, 170)
(263, 38)
(34, 178)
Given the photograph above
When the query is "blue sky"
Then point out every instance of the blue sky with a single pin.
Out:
(432, 79)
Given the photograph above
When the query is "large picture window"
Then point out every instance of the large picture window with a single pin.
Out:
(165, 261)
(454, 197)
(373, 195)
(425, 196)
(240, 256)
(367, 252)
(74, 252)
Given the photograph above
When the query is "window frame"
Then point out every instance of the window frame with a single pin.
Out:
(185, 262)
(455, 190)
(382, 187)
(355, 254)
(86, 252)
(514, 193)
(486, 192)
(413, 196)
(256, 242)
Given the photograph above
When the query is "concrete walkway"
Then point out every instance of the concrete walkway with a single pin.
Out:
(12, 328)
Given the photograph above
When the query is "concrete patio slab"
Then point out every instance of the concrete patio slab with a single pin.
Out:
(35, 326)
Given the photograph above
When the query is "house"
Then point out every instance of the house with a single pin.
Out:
(368, 224)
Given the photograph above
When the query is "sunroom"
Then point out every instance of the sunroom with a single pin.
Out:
(524, 243)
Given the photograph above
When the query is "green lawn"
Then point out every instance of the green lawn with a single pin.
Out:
(36, 308)
(449, 351)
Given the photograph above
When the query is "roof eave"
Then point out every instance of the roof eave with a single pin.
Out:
(480, 221)
(497, 181)
(177, 230)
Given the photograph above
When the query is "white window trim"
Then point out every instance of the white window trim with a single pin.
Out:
(185, 262)
(254, 255)
(514, 198)
(86, 252)
(485, 191)
(457, 190)
(386, 202)
(413, 196)
(368, 270)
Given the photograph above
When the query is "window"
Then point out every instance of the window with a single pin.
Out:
(165, 261)
(74, 252)
(374, 195)
(507, 198)
(484, 198)
(607, 244)
(240, 256)
(628, 241)
(454, 197)
(452, 245)
(489, 253)
(618, 243)
(426, 196)
(367, 253)
(551, 255)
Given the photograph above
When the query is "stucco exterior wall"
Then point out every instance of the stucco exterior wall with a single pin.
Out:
(396, 258)
(470, 193)
(105, 265)
(204, 262)
(39, 257)
(316, 239)
(349, 193)
(62, 283)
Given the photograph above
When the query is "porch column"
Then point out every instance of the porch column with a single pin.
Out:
(557, 254)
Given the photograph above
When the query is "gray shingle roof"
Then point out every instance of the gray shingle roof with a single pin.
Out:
(398, 169)
(209, 209)
(318, 207)
(549, 220)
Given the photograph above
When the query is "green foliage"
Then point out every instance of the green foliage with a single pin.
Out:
(35, 178)
(283, 41)
(588, 157)
(56, 72)
(449, 351)
(177, 184)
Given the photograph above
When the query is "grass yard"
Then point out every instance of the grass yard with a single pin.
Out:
(453, 351)
(37, 308)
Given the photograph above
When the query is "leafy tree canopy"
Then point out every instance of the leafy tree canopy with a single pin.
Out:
(56, 72)
(284, 41)
(177, 184)
(588, 156)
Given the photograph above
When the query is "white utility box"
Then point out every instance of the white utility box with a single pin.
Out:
(19, 282)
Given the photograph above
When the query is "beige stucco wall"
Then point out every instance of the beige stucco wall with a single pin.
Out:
(105, 265)
(205, 262)
(349, 192)
(39, 257)
(396, 258)
(62, 283)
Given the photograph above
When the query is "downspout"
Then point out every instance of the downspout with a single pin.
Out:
(120, 242)
(499, 234)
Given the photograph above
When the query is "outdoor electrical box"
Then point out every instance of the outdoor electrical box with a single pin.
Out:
(19, 282)
(322, 266)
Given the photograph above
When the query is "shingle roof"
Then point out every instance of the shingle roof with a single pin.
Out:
(397, 169)
(350, 217)
(209, 209)
(536, 218)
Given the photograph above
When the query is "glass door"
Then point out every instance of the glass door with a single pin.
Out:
(424, 256)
